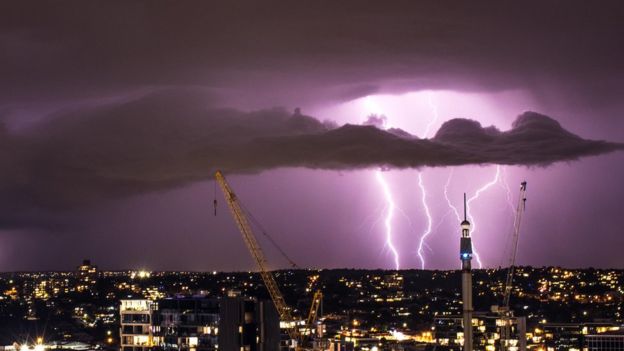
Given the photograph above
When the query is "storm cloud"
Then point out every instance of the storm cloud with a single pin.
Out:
(171, 138)
(308, 52)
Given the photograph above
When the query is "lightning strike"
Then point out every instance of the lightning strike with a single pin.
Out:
(389, 216)
(509, 197)
(475, 197)
(448, 201)
(391, 207)
(423, 199)
(372, 106)
(429, 221)
(499, 178)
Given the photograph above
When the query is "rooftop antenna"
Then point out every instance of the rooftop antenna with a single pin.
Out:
(465, 217)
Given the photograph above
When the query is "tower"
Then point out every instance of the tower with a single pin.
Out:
(465, 255)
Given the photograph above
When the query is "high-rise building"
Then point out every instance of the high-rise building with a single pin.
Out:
(230, 323)
(136, 325)
(248, 325)
(87, 276)
(186, 324)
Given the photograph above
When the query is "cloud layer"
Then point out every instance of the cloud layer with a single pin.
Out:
(282, 52)
(172, 138)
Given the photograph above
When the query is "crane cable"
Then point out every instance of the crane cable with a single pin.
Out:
(259, 226)
(264, 232)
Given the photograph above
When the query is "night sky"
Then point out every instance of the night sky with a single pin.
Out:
(115, 115)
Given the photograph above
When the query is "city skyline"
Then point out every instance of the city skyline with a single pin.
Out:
(350, 131)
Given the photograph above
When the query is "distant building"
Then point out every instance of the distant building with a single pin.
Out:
(87, 276)
(562, 336)
(486, 327)
(578, 336)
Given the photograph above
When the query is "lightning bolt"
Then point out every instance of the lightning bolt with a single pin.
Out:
(423, 198)
(390, 207)
(485, 187)
(448, 201)
(389, 215)
(499, 178)
(427, 231)
(509, 197)
(372, 106)
(512, 209)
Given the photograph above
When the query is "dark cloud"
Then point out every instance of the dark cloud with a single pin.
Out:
(278, 52)
(171, 138)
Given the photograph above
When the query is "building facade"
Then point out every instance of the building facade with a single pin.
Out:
(581, 336)
(248, 325)
(449, 332)
(604, 342)
(199, 324)
(186, 324)
(135, 332)
(87, 276)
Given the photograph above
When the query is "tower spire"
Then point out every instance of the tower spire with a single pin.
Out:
(465, 255)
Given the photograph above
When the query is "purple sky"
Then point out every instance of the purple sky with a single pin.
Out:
(105, 155)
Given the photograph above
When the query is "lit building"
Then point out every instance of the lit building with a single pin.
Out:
(486, 332)
(577, 336)
(187, 324)
(136, 325)
(199, 324)
(87, 276)
(609, 341)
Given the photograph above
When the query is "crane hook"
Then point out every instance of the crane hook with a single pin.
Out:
(215, 198)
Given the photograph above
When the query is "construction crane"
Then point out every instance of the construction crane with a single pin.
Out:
(504, 311)
(314, 307)
(256, 252)
(258, 255)
(514, 245)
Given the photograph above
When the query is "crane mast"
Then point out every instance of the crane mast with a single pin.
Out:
(256, 252)
(514, 246)
(505, 313)
(314, 307)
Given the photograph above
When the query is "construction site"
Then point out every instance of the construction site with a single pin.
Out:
(243, 323)
(498, 329)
